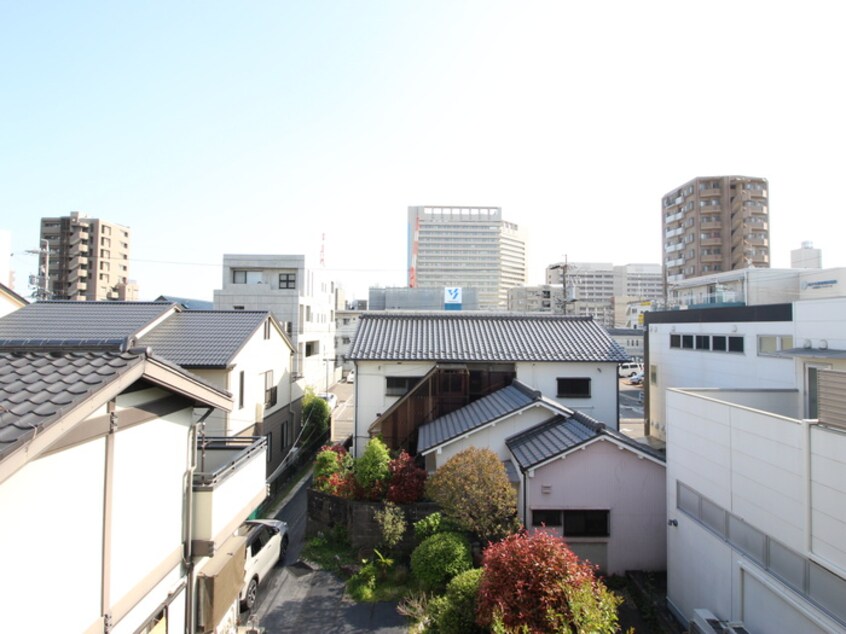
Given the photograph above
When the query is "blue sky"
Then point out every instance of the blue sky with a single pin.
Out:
(258, 127)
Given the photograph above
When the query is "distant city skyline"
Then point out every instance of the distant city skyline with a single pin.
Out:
(310, 128)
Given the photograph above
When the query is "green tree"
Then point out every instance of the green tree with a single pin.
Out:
(473, 490)
(315, 414)
(371, 469)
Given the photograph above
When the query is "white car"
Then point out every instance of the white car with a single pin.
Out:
(267, 542)
(330, 398)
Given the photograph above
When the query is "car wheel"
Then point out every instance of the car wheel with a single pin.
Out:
(251, 594)
(632, 374)
(283, 549)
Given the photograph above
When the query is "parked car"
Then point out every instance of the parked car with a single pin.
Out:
(330, 398)
(629, 369)
(637, 379)
(267, 543)
(351, 377)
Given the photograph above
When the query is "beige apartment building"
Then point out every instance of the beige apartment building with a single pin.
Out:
(86, 259)
(466, 247)
(713, 224)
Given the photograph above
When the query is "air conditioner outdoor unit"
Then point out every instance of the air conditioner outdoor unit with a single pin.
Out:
(704, 622)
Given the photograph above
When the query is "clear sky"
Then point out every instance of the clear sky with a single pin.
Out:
(258, 127)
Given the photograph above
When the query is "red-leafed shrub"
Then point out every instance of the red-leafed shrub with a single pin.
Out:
(407, 480)
(533, 582)
(332, 471)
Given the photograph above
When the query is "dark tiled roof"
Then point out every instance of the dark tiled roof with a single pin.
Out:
(37, 388)
(564, 433)
(477, 414)
(462, 337)
(203, 338)
(77, 321)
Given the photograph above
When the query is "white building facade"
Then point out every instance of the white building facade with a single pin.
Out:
(302, 299)
(472, 247)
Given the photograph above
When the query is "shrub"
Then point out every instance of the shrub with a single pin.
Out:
(455, 612)
(407, 480)
(439, 558)
(392, 524)
(431, 524)
(371, 470)
(362, 585)
(332, 471)
(534, 582)
(473, 490)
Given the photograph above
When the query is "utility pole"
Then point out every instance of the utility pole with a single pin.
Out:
(42, 280)
(564, 299)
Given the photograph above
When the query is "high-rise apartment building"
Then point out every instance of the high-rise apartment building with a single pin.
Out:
(85, 258)
(715, 223)
(466, 247)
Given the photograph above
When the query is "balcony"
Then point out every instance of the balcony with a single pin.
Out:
(229, 483)
(710, 191)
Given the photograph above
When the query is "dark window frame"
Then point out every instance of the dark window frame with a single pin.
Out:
(568, 387)
(587, 523)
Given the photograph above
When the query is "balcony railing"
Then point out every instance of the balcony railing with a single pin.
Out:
(229, 483)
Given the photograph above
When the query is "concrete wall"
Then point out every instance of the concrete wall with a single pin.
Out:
(782, 477)
(604, 477)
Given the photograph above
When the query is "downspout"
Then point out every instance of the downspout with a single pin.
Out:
(188, 528)
(525, 496)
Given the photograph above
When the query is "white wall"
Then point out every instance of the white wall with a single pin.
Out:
(603, 402)
(775, 474)
(701, 368)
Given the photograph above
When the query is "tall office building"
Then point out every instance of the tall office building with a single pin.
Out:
(715, 223)
(466, 247)
(85, 258)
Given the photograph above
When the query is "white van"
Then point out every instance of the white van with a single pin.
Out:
(629, 369)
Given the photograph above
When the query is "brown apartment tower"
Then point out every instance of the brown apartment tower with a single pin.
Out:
(715, 223)
(86, 258)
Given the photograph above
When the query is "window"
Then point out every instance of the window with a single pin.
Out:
(541, 517)
(237, 307)
(267, 328)
(573, 387)
(687, 342)
(675, 341)
(241, 390)
(735, 344)
(269, 389)
(288, 280)
(345, 340)
(586, 524)
(399, 385)
(772, 345)
(269, 450)
(718, 343)
(312, 348)
(703, 342)
(246, 277)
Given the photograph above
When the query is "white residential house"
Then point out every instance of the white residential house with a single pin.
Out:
(245, 353)
(602, 491)
(412, 368)
(10, 301)
(302, 299)
(103, 459)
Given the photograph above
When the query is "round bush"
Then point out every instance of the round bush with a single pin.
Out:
(439, 558)
(456, 614)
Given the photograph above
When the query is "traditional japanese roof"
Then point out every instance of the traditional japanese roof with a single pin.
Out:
(80, 321)
(41, 388)
(480, 413)
(204, 338)
(12, 295)
(478, 336)
(561, 434)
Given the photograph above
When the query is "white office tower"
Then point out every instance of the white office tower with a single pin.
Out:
(466, 247)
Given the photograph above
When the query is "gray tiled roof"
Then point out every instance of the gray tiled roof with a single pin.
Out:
(462, 337)
(79, 321)
(203, 338)
(37, 388)
(477, 414)
(560, 434)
